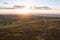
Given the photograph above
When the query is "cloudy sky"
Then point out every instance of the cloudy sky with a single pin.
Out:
(51, 3)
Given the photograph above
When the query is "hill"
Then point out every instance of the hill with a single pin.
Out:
(15, 28)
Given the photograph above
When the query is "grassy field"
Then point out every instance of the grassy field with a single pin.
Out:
(30, 29)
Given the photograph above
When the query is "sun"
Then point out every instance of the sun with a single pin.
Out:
(23, 11)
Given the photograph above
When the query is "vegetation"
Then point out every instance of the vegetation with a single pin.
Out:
(30, 29)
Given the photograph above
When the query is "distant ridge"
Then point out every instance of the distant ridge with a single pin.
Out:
(30, 16)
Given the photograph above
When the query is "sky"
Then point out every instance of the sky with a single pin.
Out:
(55, 4)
